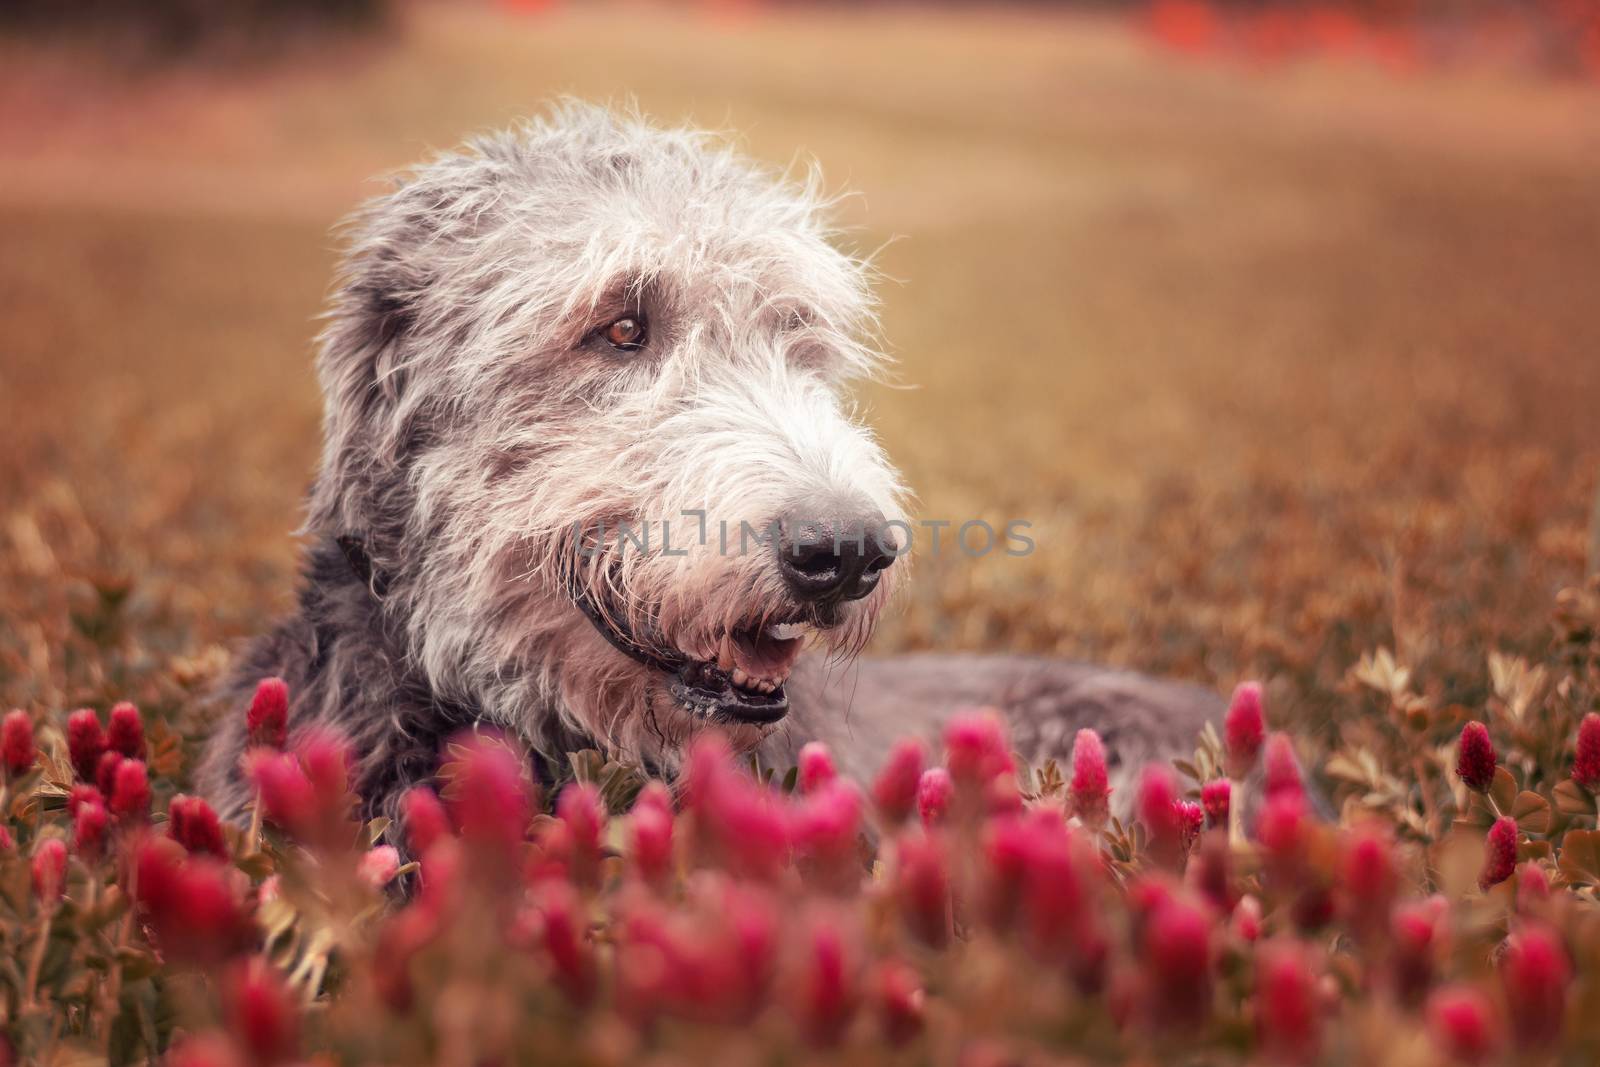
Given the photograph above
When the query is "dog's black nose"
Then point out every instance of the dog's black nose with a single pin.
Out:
(828, 561)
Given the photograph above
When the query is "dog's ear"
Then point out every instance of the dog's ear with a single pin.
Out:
(366, 362)
(384, 298)
(383, 283)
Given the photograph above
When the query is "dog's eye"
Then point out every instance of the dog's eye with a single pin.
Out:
(626, 334)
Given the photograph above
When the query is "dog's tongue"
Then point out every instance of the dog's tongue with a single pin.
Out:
(762, 656)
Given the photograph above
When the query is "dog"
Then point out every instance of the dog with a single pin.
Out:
(590, 477)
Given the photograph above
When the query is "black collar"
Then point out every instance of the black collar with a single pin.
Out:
(620, 639)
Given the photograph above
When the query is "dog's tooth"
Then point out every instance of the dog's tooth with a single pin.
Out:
(740, 678)
(725, 653)
(787, 631)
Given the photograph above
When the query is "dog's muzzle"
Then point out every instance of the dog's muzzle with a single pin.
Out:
(744, 683)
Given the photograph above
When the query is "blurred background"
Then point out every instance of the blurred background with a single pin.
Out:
(1278, 322)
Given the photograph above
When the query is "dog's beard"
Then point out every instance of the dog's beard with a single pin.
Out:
(503, 633)
(632, 711)
(723, 633)
(721, 667)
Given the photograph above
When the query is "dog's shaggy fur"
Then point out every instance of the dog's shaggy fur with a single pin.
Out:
(481, 427)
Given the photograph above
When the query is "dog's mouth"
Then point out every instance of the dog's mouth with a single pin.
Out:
(745, 680)
(739, 678)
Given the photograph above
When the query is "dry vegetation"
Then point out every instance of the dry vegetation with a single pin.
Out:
(1284, 366)
(1294, 371)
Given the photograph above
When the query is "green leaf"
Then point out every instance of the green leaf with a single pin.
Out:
(136, 964)
(1345, 769)
(1573, 799)
(586, 765)
(1534, 850)
(376, 828)
(1532, 812)
(1478, 812)
(1580, 857)
(621, 786)
(166, 749)
(1503, 790)
(258, 865)
(1049, 779)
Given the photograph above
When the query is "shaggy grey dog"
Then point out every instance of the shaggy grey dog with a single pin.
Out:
(589, 476)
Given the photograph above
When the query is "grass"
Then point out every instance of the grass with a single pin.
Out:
(1283, 365)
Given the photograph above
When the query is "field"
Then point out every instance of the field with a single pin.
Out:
(1283, 365)
(1294, 370)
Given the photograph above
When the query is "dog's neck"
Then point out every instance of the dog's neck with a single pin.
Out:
(552, 743)
(361, 565)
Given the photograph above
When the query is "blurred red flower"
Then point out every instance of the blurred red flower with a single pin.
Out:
(1500, 853)
(1090, 785)
(894, 790)
(261, 1013)
(815, 767)
(1244, 728)
(49, 871)
(934, 791)
(85, 742)
(1535, 973)
(1586, 767)
(267, 720)
(17, 752)
(1463, 1023)
(1475, 757)
(130, 793)
(194, 825)
(126, 731)
(1288, 1009)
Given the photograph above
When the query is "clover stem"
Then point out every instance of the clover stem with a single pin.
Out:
(1235, 820)
(1430, 813)
(253, 841)
(30, 990)
(113, 990)
(91, 901)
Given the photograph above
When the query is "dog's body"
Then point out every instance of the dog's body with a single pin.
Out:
(590, 477)
(859, 711)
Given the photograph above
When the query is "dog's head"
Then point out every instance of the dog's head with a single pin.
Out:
(585, 414)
